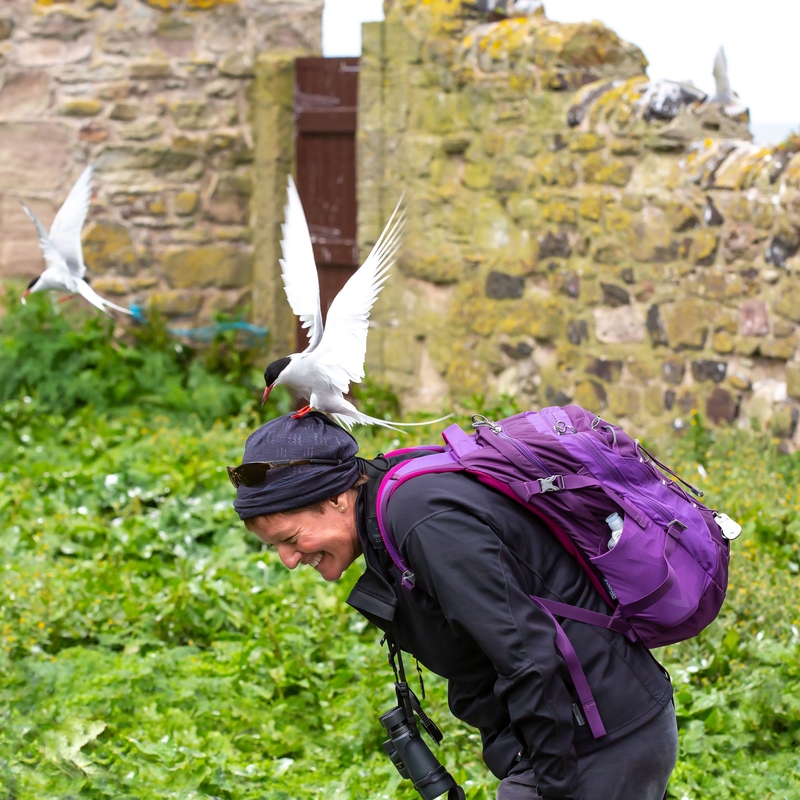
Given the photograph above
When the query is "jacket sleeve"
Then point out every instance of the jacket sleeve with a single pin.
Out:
(460, 561)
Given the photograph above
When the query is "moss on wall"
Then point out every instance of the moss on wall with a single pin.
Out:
(562, 247)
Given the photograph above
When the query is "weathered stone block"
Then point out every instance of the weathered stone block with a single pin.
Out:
(686, 324)
(554, 245)
(781, 329)
(577, 331)
(140, 131)
(753, 318)
(81, 107)
(192, 115)
(597, 169)
(108, 245)
(704, 249)
(722, 343)
(6, 27)
(25, 93)
(587, 142)
(560, 211)
(653, 400)
(617, 325)
(229, 202)
(615, 295)
(746, 345)
(554, 169)
(607, 369)
(591, 207)
(787, 304)
(655, 326)
(782, 349)
(176, 302)
(784, 421)
(237, 65)
(591, 395)
(124, 112)
(681, 215)
(501, 286)
(704, 369)
(51, 53)
(721, 406)
(624, 401)
(150, 70)
(186, 203)
(793, 380)
(110, 285)
(674, 369)
(225, 267)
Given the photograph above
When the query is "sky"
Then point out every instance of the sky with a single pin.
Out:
(679, 38)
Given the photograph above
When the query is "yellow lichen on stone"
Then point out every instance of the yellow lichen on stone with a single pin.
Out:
(619, 99)
(587, 142)
(591, 207)
(163, 5)
(560, 211)
(202, 5)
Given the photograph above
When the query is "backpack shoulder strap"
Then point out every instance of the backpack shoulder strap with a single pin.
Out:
(445, 461)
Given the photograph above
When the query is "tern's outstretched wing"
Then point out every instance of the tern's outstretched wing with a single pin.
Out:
(340, 355)
(298, 268)
(52, 257)
(65, 233)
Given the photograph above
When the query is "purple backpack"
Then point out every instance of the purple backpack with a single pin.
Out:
(666, 577)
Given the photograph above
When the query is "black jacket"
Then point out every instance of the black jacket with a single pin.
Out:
(477, 556)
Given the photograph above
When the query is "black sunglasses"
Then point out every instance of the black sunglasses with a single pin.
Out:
(254, 473)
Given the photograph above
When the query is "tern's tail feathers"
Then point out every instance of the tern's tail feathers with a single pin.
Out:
(349, 420)
(96, 300)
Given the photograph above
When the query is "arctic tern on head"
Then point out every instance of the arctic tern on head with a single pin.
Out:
(322, 373)
(62, 249)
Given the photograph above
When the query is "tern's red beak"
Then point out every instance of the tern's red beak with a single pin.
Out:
(266, 395)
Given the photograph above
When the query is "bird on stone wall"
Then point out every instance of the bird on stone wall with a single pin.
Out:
(335, 355)
(62, 249)
(723, 94)
(500, 9)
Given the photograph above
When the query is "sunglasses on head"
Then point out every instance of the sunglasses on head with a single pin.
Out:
(254, 473)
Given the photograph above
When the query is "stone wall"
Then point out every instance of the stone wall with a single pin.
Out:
(160, 96)
(563, 244)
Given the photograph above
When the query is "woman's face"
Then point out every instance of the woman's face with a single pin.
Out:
(327, 541)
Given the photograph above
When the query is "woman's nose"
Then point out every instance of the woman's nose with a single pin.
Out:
(289, 557)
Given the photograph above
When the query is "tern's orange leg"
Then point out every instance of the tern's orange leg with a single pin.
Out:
(66, 297)
(301, 412)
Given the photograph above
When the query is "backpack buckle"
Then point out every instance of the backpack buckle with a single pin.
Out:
(407, 579)
(555, 483)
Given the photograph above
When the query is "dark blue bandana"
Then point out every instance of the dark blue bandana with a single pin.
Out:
(287, 488)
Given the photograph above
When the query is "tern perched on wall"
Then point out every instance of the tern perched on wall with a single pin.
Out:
(334, 358)
(62, 248)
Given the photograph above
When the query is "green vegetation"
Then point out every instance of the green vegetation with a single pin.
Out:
(150, 647)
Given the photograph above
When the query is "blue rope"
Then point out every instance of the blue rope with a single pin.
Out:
(206, 333)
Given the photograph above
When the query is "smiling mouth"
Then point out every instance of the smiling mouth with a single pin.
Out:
(313, 563)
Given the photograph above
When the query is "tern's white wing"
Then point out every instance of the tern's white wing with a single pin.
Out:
(52, 257)
(95, 299)
(341, 353)
(298, 268)
(65, 233)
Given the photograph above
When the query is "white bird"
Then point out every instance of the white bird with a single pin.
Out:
(335, 355)
(724, 94)
(62, 248)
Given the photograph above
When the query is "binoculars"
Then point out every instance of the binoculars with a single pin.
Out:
(414, 759)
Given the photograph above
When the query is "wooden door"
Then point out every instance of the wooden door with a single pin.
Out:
(326, 99)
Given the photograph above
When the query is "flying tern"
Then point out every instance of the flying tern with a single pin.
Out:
(62, 248)
(335, 355)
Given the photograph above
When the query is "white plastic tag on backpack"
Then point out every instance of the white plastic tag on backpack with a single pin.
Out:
(729, 528)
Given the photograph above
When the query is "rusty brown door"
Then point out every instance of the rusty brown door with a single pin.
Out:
(326, 99)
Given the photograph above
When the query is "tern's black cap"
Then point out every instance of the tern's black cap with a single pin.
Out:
(286, 488)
